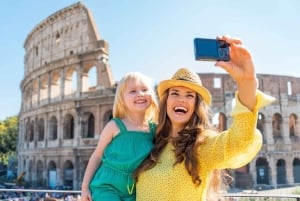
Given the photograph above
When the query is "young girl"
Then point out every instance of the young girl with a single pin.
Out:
(124, 142)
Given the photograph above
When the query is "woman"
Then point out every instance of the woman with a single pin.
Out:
(188, 152)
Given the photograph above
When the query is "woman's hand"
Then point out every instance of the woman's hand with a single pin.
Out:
(240, 66)
(242, 70)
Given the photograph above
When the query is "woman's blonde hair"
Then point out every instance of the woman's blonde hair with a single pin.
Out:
(119, 107)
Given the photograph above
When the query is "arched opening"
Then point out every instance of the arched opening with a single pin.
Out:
(277, 125)
(281, 172)
(262, 171)
(68, 175)
(261, 124)
(31, 131)
(52, 174)
(53, 128)
(88, 125)
(293, 125)
(39, 173)
(68, 127)
(41, 130)
(296, 170)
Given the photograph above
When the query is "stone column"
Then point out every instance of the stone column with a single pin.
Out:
(253, 172)
(62, 84)
(286, 133)
(79, 71)
(39, 91)
(46, 137)
(98, 121)
(289, 171)
(272, 166)
(268, 132)
(49, 87)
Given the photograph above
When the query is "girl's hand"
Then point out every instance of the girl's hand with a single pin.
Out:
(86, 195)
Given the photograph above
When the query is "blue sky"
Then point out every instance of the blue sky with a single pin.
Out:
(156, 37)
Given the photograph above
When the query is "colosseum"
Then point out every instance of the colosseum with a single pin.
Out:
(68, 93)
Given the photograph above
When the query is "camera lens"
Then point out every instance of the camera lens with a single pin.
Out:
(223, 52)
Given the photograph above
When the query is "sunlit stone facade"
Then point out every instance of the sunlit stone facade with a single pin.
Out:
(278, 163)
(67, 98)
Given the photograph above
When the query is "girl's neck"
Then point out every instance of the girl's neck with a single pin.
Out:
(136, 123)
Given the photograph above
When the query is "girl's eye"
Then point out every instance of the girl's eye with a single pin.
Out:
(132, 91)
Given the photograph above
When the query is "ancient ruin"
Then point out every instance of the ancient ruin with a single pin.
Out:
(67, 98)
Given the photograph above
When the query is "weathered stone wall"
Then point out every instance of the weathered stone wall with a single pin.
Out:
(278, 163)
(67, 98)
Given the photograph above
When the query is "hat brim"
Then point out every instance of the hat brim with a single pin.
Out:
(166, 84)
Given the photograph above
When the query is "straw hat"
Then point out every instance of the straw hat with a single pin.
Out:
(185, 78)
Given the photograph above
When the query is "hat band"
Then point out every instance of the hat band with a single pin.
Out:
(187, 80)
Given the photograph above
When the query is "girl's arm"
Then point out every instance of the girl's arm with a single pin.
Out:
(106, 137)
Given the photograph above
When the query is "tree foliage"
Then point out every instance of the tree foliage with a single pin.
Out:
(8, 138)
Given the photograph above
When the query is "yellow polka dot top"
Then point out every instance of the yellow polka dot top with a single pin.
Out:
(233, 148)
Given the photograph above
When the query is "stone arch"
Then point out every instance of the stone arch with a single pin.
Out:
(39, 173)
(30, 168)
(41, 130)
(68, 127)
(27, 98)
(277, 125)
(107, 117)
(35, 92)
(52, 174)
(222, 122)
(281, 172)
(261, 125)
(27, 130)
(296, 170)
(55, 84)
(88, 125)
(89, 78)
(262, 171)
(44, 82)
(53, 127)
(70, 81)
(31, 131)
(293, 120)
(68, 173)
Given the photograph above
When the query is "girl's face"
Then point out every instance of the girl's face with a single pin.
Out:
(137, 96)
(180, 105)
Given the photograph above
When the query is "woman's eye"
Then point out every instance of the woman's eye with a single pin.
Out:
(190, 96)
(173, 93)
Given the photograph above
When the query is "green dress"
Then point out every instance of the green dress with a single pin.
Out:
(113, 179)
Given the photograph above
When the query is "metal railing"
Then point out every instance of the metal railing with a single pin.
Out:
(73, 195)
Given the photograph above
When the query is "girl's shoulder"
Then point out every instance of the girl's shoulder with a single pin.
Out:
(112, 127)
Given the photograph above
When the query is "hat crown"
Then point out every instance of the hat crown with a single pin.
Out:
(186, 75)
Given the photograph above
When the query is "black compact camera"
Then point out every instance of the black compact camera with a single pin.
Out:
(211, 50)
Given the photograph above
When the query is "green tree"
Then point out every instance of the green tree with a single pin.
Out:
(8, 138)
